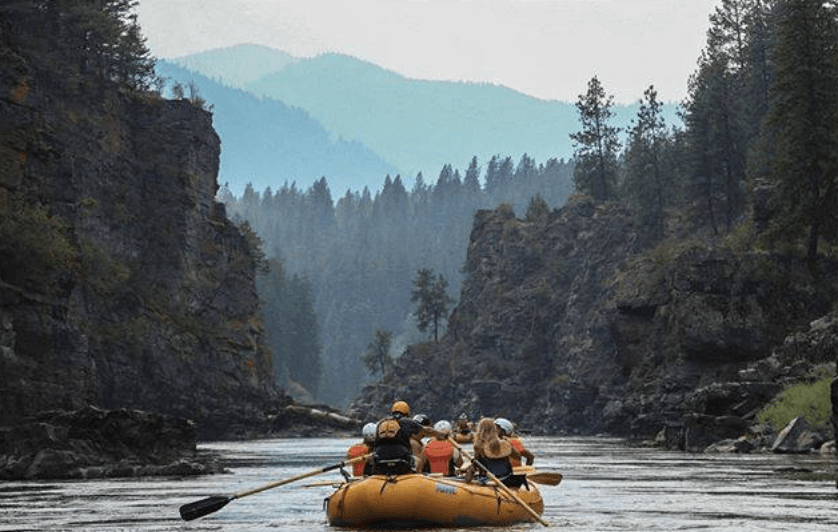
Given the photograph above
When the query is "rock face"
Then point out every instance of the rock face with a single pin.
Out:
(563, 325)
(94, 443)
(155, 307)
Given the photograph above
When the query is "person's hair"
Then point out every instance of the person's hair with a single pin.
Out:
(486, 436)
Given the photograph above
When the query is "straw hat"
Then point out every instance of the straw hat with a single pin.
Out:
(497, 448)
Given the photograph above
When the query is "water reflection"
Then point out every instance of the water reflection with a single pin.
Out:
(607, 486)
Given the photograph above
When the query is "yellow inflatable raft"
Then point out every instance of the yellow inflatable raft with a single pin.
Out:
(408, 501)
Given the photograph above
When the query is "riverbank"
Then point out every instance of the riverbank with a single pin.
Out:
(97, 443)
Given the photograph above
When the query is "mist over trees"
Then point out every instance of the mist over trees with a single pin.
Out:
(360, 254)
(757, 154)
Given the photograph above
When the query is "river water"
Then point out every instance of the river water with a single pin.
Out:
(608, 486)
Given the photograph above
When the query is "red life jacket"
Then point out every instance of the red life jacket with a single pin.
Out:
(439, 454)
(519, 446)
(359, 449)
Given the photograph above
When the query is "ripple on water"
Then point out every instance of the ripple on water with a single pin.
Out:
(608, 486)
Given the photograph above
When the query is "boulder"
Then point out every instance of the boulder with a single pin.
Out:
(96, 443)
(701, 431)
(738, 445)
(797, 437)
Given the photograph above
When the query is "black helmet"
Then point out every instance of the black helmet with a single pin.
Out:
(422, 419)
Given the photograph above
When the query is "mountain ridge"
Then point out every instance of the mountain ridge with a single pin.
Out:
(267, 143)
(415, 125)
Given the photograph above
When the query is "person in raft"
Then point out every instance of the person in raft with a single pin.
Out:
(506, 430)
(416, 443)
(495, 454)
(440, 456)
(463, 430)
(392, 445)
(362, 448)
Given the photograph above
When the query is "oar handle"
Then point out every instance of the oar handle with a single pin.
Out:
(304, 475)
(500, 484)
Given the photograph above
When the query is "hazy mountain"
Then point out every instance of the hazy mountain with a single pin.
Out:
(266, 143)
(421, 125)
(238, 65)
(414, 125)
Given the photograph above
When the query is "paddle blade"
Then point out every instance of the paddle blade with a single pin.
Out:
(197, 509)
(548, 479)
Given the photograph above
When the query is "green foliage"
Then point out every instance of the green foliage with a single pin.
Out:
(810, 400)
(537, 209)
(361, 251)
(100, 272)
(649, 182)
(377, 358)
(292, 325)
(35, 246)
(727, 100)
(254, 244)
(431, 298)
(596, 146)
(100, 39)
(801, 138)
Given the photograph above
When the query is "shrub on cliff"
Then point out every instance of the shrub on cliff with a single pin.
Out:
(34, 247)
(808, 400)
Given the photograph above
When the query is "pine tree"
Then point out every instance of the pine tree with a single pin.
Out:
(377, 357)
(802, 123)
(596, 146)
(431, 298)
(292, 326)
(471, 183)
(648, 185)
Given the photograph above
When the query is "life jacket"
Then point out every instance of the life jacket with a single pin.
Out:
(500, 467)
(519, 446)
(359, 449)
(439, 454)
(392, 444)
(388, 429)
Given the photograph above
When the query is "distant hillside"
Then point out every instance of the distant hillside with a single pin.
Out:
(238, 65)
(266, 143)
(421, 125)
(415, 125)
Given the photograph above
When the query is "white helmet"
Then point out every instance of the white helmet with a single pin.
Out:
(369, 432)
(505, 425)
(443, 426)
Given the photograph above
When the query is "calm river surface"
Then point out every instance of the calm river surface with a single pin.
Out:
(607, 486)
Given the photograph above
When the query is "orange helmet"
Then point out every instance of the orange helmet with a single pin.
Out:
(400, 407)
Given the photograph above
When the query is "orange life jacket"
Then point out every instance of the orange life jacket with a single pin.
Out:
(439, 454)
(359, 449)
(519, 446)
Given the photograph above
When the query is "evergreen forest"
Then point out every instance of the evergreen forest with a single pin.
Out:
(755, 162)
(343, 268)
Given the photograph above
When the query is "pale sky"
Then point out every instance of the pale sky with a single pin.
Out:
(545, 48)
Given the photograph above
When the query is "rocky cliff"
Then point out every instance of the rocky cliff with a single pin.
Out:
(566, 325)
(122, 282)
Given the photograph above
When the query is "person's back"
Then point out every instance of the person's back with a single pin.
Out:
(463, 432)
(392, 446)
(506, 431)
(494, 454)
(439, 454)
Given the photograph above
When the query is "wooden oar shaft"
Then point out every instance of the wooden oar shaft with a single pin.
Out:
(500, 484)
(304, 475)
(212, 504)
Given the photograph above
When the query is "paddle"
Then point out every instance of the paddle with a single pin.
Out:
(539, 477)
(197, 509)
(546, 478)
(499, 484)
